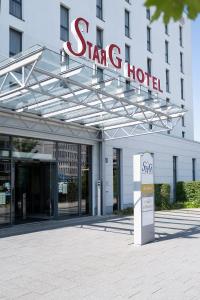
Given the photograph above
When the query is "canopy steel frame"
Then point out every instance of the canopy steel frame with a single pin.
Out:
(38, 83)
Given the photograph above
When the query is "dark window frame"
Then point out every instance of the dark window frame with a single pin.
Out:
(148, 14)
(20, 34)
(149, 46)
(127, 53)
(181, 36)
(149, 65)
(181, 62)
(166, 51)
(127, 23)
(99, 37)
(64, 28)
(167, 75)
(15, 5)
(182, 89)
(99, 9)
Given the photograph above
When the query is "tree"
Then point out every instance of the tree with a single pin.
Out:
(174, 9)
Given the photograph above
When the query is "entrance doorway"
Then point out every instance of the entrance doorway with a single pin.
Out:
(33, 191)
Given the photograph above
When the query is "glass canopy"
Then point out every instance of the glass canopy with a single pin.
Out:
(41, 82)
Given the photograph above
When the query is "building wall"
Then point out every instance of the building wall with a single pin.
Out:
(41, 25)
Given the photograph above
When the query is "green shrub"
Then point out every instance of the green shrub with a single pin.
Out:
(162, 196)
(188, 192)
(124, 212)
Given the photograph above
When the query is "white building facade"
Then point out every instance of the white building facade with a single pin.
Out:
(64, 162)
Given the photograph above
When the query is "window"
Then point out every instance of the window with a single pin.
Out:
(149, 66)
(183, 121)
(127, 53)
(64, 23)
(127, 23)
(100, 74)
(167, 81)
(15, 42)
(99, 9)
(149, 94)
(168, 131)
(166, 51)
(166, 29)
(99, 38)
(148, 14)
(181, 62)
(181, 36)
(183, 134)
(148, 38)
(128, 85)
(182, 88)
(15, 8)
(194, 169)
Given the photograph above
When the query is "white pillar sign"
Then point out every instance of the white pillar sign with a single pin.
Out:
(143, 177)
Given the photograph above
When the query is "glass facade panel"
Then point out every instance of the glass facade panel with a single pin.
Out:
(85, 179)
(4, 146)
(33, 149)
(74, 181)
(68, 170)
(5, 191)
(116, 179)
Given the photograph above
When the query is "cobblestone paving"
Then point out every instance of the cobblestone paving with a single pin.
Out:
(95, 258)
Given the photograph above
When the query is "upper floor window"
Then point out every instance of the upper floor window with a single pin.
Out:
(127, 23)
(181, 62)
(16, 8)
(148, 13)
(181, 35)
(167, 80)
(166, 29)
(100, 74)
(149, 66)
(99, 9)
(99, 38)
(127, 53)
(15, 46)
(64, 23)
(148, 38)
(182, 88)
(166, 51)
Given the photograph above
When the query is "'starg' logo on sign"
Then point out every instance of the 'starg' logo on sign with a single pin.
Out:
(147, 167)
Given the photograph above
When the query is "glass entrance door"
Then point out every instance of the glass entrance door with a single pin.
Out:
(33, 197)
(74, 179)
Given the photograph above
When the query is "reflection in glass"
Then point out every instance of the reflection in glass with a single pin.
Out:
(85, 178)
(4, 146)
(33, 148)
(116, 179)
(68, 179)
(5, 192)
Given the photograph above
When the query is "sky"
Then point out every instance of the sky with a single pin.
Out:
(196, 76)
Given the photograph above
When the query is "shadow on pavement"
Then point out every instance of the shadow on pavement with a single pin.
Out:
(168, 225)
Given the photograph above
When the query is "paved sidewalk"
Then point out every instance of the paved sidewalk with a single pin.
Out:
(95, 259)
